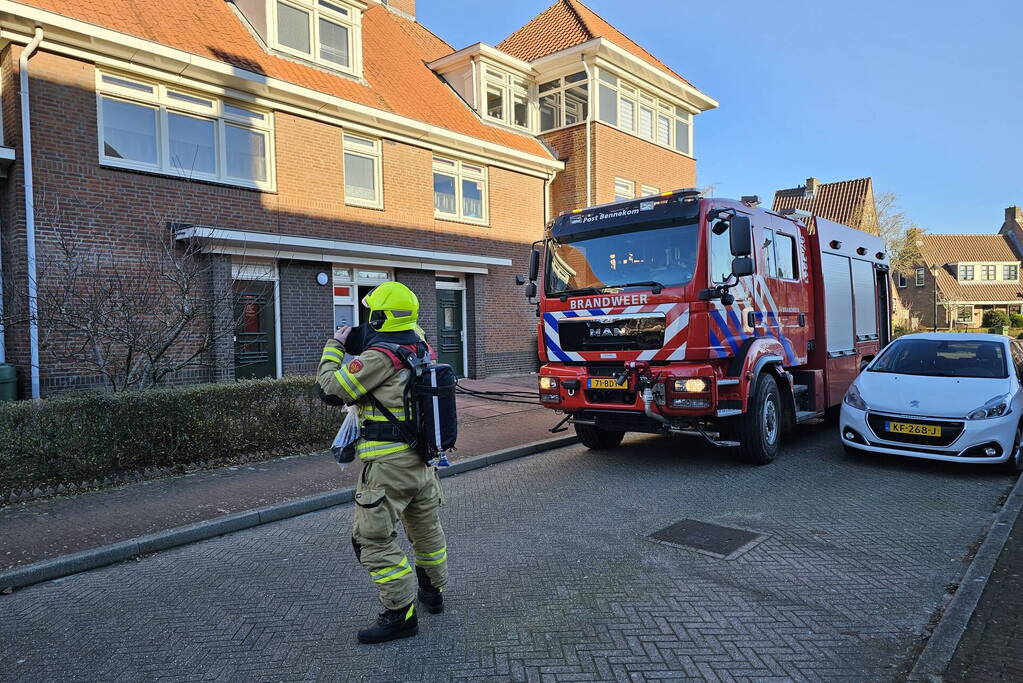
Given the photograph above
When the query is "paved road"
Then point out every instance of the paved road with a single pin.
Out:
(554, 579)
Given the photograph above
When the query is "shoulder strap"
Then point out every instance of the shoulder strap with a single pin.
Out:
(402, 427)
(392, 351)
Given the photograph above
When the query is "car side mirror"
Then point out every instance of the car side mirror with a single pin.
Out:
(742, 266)
(740, 236)
(534, 264)
(531, 291)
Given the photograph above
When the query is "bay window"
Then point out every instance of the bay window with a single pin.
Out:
(507, 97)
(564, 101)
(459, 190)
(629, 109)
(362, 172)
(324, 31)
(149, 126)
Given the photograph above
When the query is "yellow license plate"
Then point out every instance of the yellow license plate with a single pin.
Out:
(909, 428)
(602, 383)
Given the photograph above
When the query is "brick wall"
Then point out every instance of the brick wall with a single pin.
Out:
(123, 212)
(568, 190)
(424, 284)
(618, 154)
(406, 6)
(307, 315)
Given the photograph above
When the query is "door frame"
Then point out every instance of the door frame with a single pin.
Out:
(459, 286)
(258, 270)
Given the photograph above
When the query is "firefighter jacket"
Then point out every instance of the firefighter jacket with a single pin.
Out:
(373, 371)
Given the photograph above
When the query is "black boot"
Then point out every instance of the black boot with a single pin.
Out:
(391, 625)
(431, 597)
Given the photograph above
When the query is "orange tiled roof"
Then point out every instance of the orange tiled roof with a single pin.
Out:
(843, 202)
(395, 53)
(947, 249)
(568, 23)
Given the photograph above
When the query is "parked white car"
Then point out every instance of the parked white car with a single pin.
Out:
(941, 396)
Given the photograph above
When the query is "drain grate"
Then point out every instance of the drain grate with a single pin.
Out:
(718, 541)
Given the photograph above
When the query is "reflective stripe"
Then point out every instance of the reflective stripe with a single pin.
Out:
(432, 559)
(368, 450)
(344, 384)
(391, 573)
(411, 610)
(330, 353)
(356, 384)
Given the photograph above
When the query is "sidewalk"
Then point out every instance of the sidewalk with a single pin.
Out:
(991, 648)
(41, 530)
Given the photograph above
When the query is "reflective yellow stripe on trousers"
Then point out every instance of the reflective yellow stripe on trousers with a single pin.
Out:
(432, 559)
(391, 573)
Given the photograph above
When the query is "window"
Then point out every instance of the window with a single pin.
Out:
(629, 109)
(921, 275)
(768, 250)
(787, 256)
(507, 97)
(324, 31)
(1010, 273)
(624, 189)
(459, 190)
(988, 272)
(564, 101)
(964, 314)
(153, 127)
(720, 256)
(965, 272)
(648, 191)
(900, 280)
(362, 172)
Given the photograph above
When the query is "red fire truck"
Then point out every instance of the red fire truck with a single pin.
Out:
(713, 318)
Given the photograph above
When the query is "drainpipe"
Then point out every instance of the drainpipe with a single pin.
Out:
(30, 211)
(3, 338)
(589, 132)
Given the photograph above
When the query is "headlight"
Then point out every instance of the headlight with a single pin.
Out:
(853, 398)
(693, 385)
(548, 383)
(996, 407)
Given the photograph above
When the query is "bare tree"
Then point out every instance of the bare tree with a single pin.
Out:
(900, 234)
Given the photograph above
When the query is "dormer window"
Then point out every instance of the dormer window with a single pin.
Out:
(323, 31)
(988, 272)
(507, 98)
(1010, 273)
(965, 272)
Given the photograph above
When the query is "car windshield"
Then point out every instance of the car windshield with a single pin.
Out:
(943, 358)
(664, 256)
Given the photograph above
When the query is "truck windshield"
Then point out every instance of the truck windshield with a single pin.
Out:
(939, 358)
(663, 255)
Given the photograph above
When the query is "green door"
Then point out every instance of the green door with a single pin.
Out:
(450, 344)
(255, 351)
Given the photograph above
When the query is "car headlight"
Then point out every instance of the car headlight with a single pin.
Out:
(548, 383)
(996, 407)
(853, 398)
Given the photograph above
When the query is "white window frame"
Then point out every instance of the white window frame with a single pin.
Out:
(627, 186)
(315, 10)
(649, 191)
(562, 88)
(166, 100)
(967, 268)
(1015, 268)
(959, 313)
(371, 151)
(988, 268)
(921, 277)
(640, 102)
(462, 170)
(510, 84)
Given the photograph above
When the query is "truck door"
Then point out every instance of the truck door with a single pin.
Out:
(784, 294)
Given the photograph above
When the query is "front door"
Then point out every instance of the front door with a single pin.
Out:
(450, 346)
(255, 351)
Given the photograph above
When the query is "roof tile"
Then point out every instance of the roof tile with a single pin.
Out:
(843, 202)
(944, 250)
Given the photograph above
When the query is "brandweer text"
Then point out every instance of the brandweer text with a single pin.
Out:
(606, 301)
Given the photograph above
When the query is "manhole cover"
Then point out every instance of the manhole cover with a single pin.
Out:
(710, 539)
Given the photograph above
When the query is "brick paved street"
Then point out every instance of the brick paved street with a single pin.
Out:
(553, 579)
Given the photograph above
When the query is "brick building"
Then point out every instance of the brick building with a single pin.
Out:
(967, 274)
(314, 148)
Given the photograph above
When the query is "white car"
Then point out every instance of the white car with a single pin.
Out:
(942, 396)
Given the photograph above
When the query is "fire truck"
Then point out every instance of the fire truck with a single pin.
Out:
(706, 317)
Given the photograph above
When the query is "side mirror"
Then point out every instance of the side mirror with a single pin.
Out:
(740, 236)
(531, 291)
(520, 280)
(534, 264)
(742, 266)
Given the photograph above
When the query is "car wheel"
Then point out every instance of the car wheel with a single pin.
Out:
(599, 439)
(759, 429)
(1014, 465)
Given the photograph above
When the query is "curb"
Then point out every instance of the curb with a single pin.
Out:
(58, 567)
(941, 646)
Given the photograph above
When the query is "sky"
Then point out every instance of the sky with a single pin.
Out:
(925, 96)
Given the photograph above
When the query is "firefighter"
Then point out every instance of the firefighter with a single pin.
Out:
(395, 482)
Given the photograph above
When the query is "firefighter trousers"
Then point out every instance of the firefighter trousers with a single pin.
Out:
(399, 486)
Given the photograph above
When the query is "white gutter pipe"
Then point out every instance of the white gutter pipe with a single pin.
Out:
(590, 113)
(30, 211)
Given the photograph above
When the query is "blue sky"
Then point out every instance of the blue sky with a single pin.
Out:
(926, 96)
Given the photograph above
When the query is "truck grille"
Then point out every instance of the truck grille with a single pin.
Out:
(612, 333)
(950, 430)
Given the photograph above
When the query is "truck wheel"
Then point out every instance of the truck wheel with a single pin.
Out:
(759, 429)
(599, 439)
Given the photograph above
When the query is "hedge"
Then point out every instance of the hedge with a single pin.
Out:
(88, 436)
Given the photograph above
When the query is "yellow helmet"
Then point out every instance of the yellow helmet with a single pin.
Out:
(393, 307)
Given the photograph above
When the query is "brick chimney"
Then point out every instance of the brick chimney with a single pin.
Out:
(810, 191)
(1013, 227)
(407, 7)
